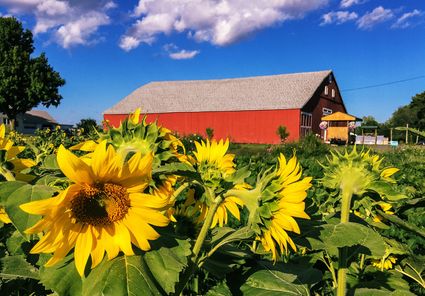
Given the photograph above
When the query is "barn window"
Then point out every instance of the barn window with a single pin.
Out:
(326, 90)
(326, 111)
(306, 122)
(333, 93)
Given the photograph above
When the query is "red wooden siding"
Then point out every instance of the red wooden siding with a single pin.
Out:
(239, 126)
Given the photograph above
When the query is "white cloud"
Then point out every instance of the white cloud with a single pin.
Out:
(184, 54)
(219, 22)
(349, 3)
(378, 15)
(78, 31)
(338, 17)
(179, 54)
(71, 22)
(405, 20)
(53, 7)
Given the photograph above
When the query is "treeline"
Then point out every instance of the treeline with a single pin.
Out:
(412, 114)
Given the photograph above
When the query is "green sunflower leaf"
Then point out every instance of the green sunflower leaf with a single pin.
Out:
(50, 163)
(62, 278)
(167, 262)
(360, 238)
(220, 290)
(13, 267)
(154, 273)
(124, 275)
(280, 279)
(16, 193)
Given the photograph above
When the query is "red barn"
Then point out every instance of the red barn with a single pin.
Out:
(245, 110)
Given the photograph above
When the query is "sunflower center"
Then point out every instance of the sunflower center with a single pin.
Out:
(100, 204)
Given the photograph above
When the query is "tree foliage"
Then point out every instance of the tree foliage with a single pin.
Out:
(25, 81)
(88, 125)
(412, 114)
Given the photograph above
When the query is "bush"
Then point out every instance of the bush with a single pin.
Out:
(282, 133)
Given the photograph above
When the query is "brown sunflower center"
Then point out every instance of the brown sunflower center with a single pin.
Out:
(100, 204)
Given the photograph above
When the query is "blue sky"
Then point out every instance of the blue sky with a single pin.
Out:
(107, 49)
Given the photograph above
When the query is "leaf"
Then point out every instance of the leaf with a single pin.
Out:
(386, 190)
(229, 236)
(154, 273)
(271, 280)
(225, 260)
(166, 263)
(19, 194)
(13, 267)
(121, 276)
(6, 188)
(414, 268)
(62, 278)
(376, 292)
(353, 235)
(177, 168)
(220, 290)
(239, 176)
(15, 243)
(50, 163)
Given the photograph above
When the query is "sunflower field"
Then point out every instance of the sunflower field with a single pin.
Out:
(137, 210)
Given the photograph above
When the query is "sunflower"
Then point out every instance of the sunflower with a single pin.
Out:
(212, 161)
(104, 210)
(358, 173)
(135, 135)
(214, 165)
(282, 201)
(11, 166)
(276, 200)
(385, 262)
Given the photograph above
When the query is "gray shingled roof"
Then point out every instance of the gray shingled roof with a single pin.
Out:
(287, 91)
(41, 114)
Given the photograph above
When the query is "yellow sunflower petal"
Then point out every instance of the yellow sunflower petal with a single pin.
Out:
(73, 167)
(83, 248)
(87, 146)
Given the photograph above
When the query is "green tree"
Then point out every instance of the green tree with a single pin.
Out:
(369, 121)
(25, 81)
(418, 108)
(88, 125)
(402, 116)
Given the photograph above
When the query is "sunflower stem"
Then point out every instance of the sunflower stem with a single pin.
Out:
(205, 227)
(179, 190)
(198, 244)
(347, 195)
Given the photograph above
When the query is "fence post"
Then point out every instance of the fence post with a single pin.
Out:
(407, 133)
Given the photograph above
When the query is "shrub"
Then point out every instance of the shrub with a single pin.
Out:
(282, 133)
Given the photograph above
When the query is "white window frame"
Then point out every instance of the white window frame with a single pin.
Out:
(326, 90)
(333, 93)
(327, 111)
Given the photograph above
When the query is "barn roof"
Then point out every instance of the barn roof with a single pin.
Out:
(286, 91)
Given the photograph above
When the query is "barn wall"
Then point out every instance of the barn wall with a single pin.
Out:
(239, 126)
(320, 100)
